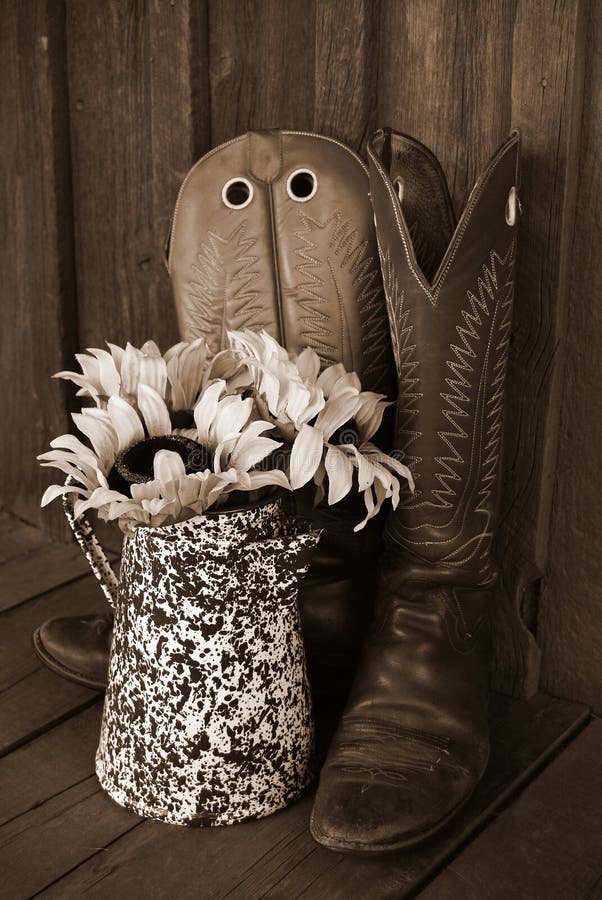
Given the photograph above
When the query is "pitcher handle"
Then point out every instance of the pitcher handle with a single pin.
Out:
(87, 540)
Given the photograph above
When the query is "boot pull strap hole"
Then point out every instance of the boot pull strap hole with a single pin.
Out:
(513, 207)
(237, 193)
(399, 188)
(301, 185)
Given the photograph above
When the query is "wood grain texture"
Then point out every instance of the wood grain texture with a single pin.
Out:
(569, 615)
(276, 856)
(37, 703)
(88, 819)
(108, 104)
(458, 76)
(345, 67)
(30, 563)
(38, 313)
(17, 658)
(547, 81)
(444, 76)
(33, 699)
(261, 65)
(548, 843)
(49, 765)
(137, 82)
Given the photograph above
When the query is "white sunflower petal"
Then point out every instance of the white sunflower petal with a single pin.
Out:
(87, 387)
(336, 413)
(130, 369)
(117, 354)
(100, 433)
(297, 400)
(150, 349)
(58, 490)
(308, 364)
(168, 466)
(370, 414)
(249, 451)
(99, 497)
(108, 373)
(330, 376)
(126, 422)
(89, 366)
(126, 508)
(68, 468)
(185, 371)
(177, 396)
(264, 479)
(306, 455)
(389, 462)
(257, 427)
(232, 415)
(145, 490)
(369, 503)
(365, 470)
(339, 469)
(72, 443)
(154, 411)
(347, 381)
(206, 409)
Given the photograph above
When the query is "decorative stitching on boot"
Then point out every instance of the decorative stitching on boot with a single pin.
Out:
(221, 295)
(348, 251)
(487, 312)
(432, 290)
(406, 363)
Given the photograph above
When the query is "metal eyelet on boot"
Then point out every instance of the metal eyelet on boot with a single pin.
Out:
(237, 193)
(301, 185)
(399, 188)
(513, 207)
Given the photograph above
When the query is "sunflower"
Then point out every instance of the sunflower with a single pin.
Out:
(286, 390)
(178, 376)
(170, 436)
(140, 470)
(331, 419)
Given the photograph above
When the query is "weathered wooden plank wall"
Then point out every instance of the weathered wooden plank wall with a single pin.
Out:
(570, 614)
(38, 330)
(130, 92)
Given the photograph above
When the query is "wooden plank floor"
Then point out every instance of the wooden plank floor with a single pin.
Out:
(61, 836)
(559, 821)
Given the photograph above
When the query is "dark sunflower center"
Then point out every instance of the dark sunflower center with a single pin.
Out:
(135, 465)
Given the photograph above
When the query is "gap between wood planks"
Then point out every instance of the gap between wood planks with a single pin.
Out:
(38, 580)
(274, 856)
(77, 838)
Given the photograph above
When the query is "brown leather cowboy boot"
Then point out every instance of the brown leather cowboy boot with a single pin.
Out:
(275, 230)
(413, 741)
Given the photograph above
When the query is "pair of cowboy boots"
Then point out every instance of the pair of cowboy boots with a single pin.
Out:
(412, 742)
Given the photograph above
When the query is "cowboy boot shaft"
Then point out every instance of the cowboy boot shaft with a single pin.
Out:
(413, 741)
(449, 289)
(274, 230)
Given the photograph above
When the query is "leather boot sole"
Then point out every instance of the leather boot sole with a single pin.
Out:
(60, 669)
(357, 849)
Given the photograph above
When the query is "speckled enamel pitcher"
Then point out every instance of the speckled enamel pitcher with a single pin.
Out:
(207, 717)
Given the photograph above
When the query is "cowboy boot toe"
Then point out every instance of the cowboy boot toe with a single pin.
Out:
(387, 804)
(77, 648)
